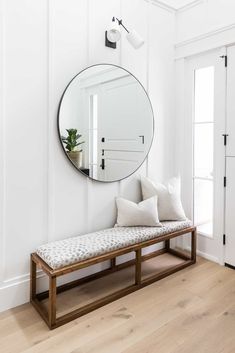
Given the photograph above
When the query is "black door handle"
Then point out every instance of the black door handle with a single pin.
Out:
(102, 164)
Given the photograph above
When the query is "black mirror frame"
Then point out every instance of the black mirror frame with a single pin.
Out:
(58, 124)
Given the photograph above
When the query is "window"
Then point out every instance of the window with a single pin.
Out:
(203, 127)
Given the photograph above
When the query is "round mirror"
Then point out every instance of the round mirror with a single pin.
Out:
(105, 122)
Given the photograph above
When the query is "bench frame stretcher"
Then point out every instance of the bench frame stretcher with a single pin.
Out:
(49, 316)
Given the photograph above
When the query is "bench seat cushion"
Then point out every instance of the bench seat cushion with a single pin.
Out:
(72, 250)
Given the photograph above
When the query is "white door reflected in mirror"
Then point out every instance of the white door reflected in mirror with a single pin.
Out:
(106, 122)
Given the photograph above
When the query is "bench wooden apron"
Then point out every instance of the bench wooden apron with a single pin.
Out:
(62, 257)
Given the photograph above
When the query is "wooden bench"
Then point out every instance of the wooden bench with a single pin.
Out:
(53, 271)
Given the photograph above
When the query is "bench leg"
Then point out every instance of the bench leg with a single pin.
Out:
(167, 244)
(194, 245)
(138, 267)
(113, 262)
(33, 270)
(52, 301)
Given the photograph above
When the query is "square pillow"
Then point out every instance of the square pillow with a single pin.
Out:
(169, 202)
(130, 214)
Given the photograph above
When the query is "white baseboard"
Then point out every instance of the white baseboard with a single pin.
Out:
(14, 295)
(205, 255)
(15, 291)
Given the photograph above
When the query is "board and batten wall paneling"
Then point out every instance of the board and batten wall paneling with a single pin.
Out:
(25, 115)
(208, 17)
(2, 147)
(136, 61)
(23, 142)
(44, 45)
(162, 92)
(191, 22)
(68, 24)
(101, 209)
(100, 16)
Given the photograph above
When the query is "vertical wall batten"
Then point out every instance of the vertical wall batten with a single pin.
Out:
(49, 206)
(147, 67)
(2, 147)
(88, 181)
(119, 193)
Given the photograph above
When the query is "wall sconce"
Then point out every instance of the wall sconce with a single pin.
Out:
(113, 35)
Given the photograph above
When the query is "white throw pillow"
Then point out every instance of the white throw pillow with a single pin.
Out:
(169, 202)
(130, 214)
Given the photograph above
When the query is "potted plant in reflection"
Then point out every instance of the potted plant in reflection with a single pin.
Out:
(72, 146)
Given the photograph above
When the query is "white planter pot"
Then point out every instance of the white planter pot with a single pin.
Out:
(76, 158)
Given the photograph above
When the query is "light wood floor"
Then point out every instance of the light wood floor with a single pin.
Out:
(192, 311)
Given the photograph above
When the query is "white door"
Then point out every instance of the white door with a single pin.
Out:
(229, 212)
(230, 148)
(123, 139)
(118, 128)
(205, 95)
(230, 161)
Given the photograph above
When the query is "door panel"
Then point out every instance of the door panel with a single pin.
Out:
(230, 206)
(123, 145)
(230, 161)
(205, 105)
(116, 161)
(230, 150)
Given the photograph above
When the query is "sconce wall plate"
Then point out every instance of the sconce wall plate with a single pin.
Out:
(108, 43)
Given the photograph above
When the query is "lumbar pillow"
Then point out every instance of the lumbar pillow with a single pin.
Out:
(169, 202)
(130, 214)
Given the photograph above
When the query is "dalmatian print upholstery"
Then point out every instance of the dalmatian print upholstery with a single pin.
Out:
(72, 250)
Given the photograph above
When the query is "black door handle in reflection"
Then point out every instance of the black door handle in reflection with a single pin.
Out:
(102, 164)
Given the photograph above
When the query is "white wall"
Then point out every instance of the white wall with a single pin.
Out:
(203, 26)
(204, 17)
(43, 45)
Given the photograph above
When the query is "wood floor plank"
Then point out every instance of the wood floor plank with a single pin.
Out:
(191, 311)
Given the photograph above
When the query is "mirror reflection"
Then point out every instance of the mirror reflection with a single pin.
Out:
(105, 122)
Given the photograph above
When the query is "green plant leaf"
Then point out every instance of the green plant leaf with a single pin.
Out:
(71, 141)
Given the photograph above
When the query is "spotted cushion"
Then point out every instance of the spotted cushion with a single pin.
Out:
(69, 251)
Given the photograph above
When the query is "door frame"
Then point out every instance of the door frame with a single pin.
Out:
(212, 57)
(229, 153)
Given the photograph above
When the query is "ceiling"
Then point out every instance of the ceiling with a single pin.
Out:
(177, 4)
